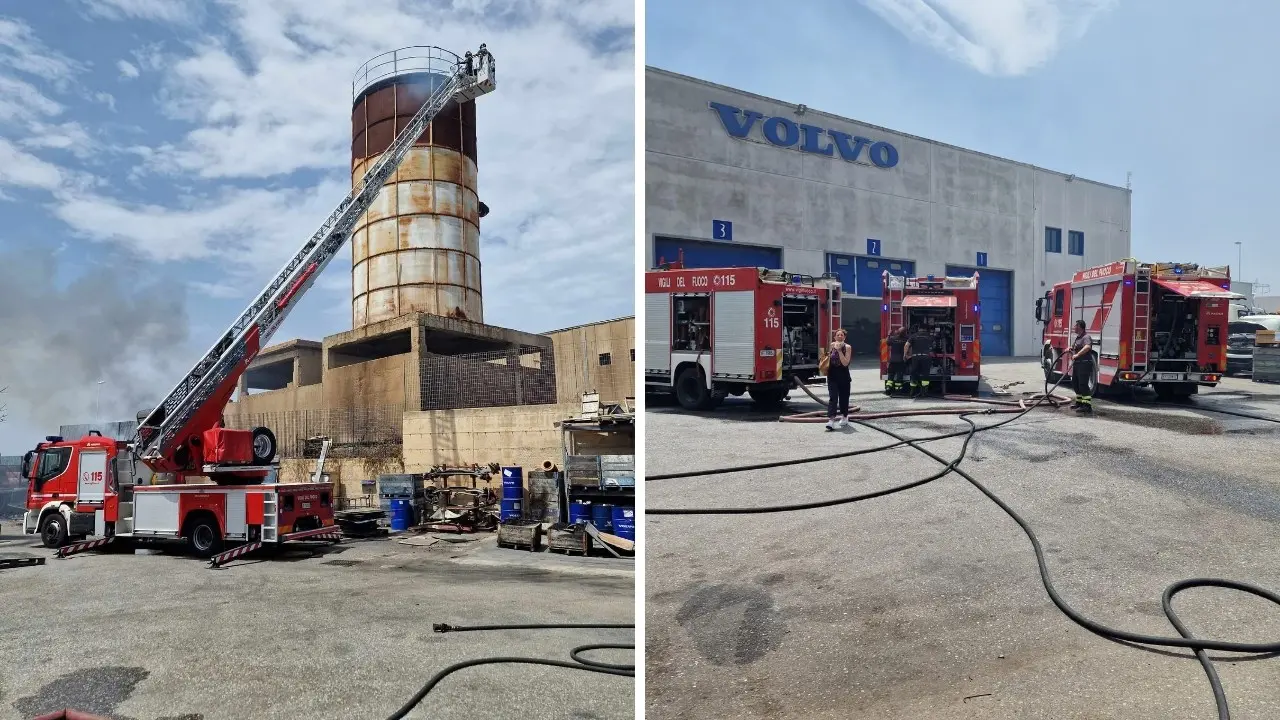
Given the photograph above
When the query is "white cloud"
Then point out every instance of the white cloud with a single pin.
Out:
(995, 37)
(175, 11)
(219, 290)
(107, 99)
(21, 101)
(21, 50)
(127, 69)
(247, 231)
(69, 136)
(22, 169)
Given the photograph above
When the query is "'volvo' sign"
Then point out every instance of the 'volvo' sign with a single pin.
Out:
(787, 133)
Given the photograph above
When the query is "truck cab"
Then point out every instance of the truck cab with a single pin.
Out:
(73, 486)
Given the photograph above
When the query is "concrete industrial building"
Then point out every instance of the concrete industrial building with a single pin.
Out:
(734, 179)
(420, 371)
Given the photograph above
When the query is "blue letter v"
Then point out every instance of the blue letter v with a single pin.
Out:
(729, 118)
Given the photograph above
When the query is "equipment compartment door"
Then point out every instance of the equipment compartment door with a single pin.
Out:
(155, 513)
(733, 333)
(657, 332)
(93, 477)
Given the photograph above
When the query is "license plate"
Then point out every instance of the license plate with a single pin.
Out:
(1168, 376)
(306, 506)
(766, 353)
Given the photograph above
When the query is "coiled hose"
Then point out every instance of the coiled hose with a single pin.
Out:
(576, 661)
(1186, 640)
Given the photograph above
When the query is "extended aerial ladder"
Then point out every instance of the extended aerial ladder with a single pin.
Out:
(163, 440)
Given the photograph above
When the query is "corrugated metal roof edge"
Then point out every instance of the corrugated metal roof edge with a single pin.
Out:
(598, 322)
(708, 83)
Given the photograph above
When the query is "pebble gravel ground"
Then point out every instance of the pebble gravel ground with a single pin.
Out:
(928, 604)
(344, 633)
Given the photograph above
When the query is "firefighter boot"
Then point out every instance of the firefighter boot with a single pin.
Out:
(1086, 404)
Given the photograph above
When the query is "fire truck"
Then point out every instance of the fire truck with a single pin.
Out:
(711, 333)
(949, 310)
(99, 486)
(1157, 324)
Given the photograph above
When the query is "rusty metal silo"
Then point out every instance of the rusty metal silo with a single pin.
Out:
(417, 249)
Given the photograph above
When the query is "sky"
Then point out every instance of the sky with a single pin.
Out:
(1180, 94)
(161, 159)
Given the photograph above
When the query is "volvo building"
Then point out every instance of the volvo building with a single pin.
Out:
(735, 179)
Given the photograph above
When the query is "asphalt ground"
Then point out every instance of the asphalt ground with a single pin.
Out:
(343, 632)
(928, 603)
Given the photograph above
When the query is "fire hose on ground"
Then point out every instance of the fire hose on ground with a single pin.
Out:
(1015, 410)
(576, 662)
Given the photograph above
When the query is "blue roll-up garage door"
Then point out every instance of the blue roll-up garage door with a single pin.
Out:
(995, 292)
(703, 254)
(869, 270)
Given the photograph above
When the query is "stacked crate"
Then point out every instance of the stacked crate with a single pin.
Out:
(582, 471)
(1266, 357)
(617, 471)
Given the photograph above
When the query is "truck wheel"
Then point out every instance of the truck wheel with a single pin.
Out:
(264, 446)
(767, 398)
(203, 537)
(53, 530)
(691, 391)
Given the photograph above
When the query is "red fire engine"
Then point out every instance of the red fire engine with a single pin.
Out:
(710, 333)
(98, 486)
(86, 487)
(948, 309)
(1158, 324)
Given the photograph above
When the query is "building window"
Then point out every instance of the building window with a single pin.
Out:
(1053, 240)
(1075, 242)
(605, 359)
(633, 354)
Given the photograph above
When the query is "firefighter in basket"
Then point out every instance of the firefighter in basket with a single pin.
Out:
(895, 380)
(1082, 368)
(919, 349)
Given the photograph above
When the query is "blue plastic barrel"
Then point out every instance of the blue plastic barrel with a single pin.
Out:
(401, 514)
(579, 511)
(512, 483)
(510, 509)
(602, 517)
(624, 522)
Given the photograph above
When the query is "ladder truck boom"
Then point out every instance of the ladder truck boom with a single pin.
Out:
(196, 403)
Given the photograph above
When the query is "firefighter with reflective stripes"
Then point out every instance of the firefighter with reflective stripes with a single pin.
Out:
(919, 348)
(1082, 368)
(895, 379)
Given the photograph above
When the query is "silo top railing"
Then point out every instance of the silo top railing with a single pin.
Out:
(412, 59)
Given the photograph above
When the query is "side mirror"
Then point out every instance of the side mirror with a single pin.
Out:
(26, 464)
(1040, 310)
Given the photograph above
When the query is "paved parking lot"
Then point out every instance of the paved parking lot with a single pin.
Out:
(927, 603)
(343, 633)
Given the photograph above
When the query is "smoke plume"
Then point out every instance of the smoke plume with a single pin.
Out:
(56, 343)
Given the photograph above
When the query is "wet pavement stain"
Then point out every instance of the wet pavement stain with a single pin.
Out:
(732, 624)
(98, 691)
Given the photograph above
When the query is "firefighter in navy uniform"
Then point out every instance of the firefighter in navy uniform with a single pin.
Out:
(897, 370)
(919, 348)
(1082, 368)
